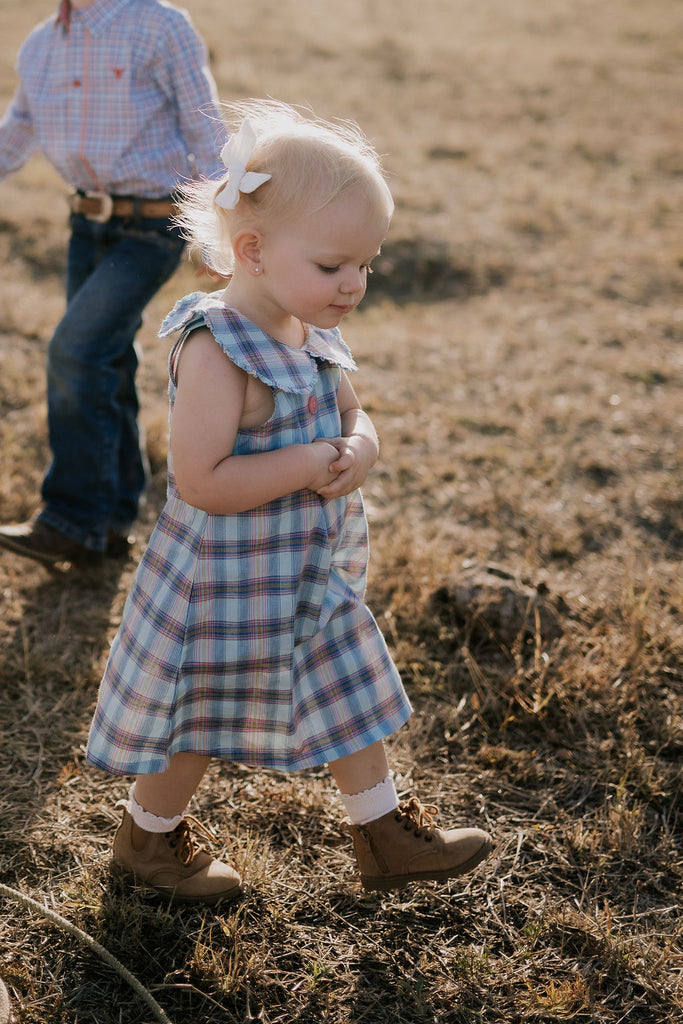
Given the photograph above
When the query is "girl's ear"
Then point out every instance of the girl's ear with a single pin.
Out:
(246, 247)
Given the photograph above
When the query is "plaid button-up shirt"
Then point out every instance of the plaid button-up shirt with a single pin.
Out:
(123, 102)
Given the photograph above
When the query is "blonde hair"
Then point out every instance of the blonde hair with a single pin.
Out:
(310, 162)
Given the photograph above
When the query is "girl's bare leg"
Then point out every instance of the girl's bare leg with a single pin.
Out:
(362, 770)
(168, 793)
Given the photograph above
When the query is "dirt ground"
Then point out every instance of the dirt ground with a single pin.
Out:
(520, 351)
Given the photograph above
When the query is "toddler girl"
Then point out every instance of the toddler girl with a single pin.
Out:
(245, 635)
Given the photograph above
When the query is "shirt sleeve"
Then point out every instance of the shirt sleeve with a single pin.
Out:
(17, 139)
(183, 72)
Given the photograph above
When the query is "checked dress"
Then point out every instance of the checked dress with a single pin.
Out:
(246, 636)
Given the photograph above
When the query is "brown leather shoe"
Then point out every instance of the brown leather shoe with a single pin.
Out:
(35, 539)
(174, 865)
(406, 845)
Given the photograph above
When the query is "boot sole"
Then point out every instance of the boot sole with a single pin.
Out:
(131, 879)
(377, 883)
(82, 560)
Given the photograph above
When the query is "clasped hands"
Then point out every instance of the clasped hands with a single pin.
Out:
(343, 464)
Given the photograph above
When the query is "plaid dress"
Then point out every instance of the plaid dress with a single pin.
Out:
(246, 636)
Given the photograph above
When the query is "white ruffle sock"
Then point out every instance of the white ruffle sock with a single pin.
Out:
(371, 803)
(148, 821)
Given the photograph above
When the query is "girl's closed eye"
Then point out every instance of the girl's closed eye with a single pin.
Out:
(333, 270)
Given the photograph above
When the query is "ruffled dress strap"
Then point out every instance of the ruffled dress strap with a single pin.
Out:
(280, 366)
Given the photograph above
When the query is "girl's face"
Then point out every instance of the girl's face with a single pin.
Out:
(315, 268)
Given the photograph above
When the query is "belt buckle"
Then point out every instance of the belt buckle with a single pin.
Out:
(106, 207)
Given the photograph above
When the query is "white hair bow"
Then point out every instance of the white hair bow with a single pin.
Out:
(236, 154)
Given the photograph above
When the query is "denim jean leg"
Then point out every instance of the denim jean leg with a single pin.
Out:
(97, 472)
(133, 461)
(84, 254)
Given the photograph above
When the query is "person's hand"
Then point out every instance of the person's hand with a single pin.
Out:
(323, 455)
(355, 457)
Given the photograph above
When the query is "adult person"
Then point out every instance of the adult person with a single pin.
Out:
(117, 94)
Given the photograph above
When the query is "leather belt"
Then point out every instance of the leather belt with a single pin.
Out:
(100, 207)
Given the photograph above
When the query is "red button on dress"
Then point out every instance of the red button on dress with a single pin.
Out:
(312, 404)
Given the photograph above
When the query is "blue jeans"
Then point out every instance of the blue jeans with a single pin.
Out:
(98, 471)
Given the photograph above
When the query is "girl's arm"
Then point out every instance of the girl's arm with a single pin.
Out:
(206, 416)
(358, 447)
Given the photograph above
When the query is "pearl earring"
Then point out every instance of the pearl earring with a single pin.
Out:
(257, 270)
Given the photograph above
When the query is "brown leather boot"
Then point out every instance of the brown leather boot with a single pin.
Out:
(407, 846)
(41, 542)
(174, 864)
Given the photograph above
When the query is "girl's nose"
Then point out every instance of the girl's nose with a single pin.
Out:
(353, 282)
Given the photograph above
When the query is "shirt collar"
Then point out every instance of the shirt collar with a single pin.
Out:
(95, 17)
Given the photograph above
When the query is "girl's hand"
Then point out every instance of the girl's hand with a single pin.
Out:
(355, 457)
(357, 449)
(324, 456)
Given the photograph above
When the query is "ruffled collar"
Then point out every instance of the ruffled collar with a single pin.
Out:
(280, 366)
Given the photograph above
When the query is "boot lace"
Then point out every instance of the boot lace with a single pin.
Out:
(418, 816)
(185, 839)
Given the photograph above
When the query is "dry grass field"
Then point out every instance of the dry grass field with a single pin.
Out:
(521, 352)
